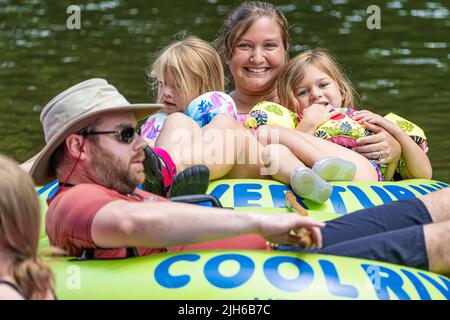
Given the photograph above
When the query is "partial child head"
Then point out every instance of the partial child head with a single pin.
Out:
(241, 19)
(313, 77)
(20, 221)
(184, 70)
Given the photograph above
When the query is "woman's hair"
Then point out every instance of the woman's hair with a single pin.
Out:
(194, 63)
(294, 73)
(239, 20)
(20, 222)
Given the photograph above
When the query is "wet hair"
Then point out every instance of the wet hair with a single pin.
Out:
(294, 72)
(239, 20)
(20, 223)
(194, 63)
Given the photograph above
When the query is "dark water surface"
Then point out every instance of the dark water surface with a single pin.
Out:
(401, 68)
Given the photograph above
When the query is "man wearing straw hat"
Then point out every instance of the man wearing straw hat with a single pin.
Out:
(97, 156)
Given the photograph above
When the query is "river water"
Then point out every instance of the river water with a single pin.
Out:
(402, 67)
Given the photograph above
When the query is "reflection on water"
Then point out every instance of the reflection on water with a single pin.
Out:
(401, 68)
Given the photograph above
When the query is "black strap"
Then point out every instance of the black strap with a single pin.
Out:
(89, 254)
(13, 286)
(66, 185)
(132, 252)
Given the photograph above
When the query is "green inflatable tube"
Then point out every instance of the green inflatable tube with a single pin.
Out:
(241, 274)
(244, 275)
(346, 196)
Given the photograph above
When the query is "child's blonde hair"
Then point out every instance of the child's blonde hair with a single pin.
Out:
(20, 222)
(294, 72)
(195, 65)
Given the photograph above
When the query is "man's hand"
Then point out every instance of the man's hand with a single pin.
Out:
(278, 228)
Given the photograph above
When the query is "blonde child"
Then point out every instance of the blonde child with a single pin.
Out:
(189, 78)
(182, 71)
(314, 86)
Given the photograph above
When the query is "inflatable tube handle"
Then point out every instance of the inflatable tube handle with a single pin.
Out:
(197, 198)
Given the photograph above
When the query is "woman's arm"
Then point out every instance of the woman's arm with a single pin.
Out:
(417, 163)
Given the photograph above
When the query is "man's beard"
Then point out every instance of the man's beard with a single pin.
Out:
(111, 172)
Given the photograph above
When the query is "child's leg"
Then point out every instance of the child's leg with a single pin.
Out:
(226, 146)
(231, 151)
(280, 162)
(255, 160)
(285, 167)
(249, 163)
(249, 155)
(311, 149)
(187, 143)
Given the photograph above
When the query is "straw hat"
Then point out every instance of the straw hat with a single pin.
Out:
(73, 110)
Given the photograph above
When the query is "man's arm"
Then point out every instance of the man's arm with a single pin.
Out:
(164, 224)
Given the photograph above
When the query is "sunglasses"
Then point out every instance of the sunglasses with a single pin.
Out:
(126, 135)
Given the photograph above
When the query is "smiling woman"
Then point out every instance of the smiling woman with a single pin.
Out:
(257, 59)
(253, 45)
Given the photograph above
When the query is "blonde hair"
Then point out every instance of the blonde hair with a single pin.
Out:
(20, 221)
(194, 63)
(239, 20)
(294, 72)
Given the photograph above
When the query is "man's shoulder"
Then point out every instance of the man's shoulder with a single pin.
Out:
(82, 193)
(77, 205)
(91, 191)
(88, 189)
